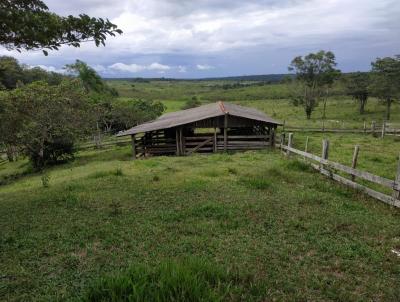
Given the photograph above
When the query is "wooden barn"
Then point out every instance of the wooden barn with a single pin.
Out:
(213, 127)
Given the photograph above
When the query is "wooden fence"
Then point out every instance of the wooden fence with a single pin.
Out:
(376, 129)
(328, 168)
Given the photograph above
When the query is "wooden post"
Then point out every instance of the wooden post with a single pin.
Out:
(282, 140)
(181, 142)
(383, 129)
(396, 189)
(289, 144)
(354, 162)
(306, 147)
(215, 140)
(177, 142)
(226, 132)
(272, 137)
(373, 128)
(133, 146)
(145, 145)
(323, 125)
(325, 151)
(365, 127)
(283, 126)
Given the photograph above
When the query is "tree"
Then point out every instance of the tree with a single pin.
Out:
(49, 119)
(386, 81)
(128, 113)
(315, 72)
(357, 85)
(91, 81)
(10, 72)
(192, 103)
(28, 24)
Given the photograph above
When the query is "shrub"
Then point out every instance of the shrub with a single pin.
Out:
(45, 180)
(192, 103)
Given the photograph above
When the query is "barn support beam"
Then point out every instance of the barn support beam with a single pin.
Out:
(178, 153)
(133, 146)
(225, 132)
(215, 140)
(182, 142)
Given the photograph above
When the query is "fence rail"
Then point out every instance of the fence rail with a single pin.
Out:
(375, 129)
(328, 167)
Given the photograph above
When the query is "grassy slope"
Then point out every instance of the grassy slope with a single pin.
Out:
(299, 236)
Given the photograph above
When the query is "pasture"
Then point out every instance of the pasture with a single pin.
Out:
(273, 99)
(272, 228)
(253, 226)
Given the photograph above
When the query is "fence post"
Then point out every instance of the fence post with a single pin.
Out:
(283, 125)
(282, 140)
(272, 137)
(383, 129)
(365, 127)
(306, 147)
(354, 162)
(325, 151)
(289, 144)
(373, 128)
(323, 125)
(396, 192)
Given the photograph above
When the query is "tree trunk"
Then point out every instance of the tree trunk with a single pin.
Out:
(10, 153)
(362, 105)
(308, 112)
(388, 105)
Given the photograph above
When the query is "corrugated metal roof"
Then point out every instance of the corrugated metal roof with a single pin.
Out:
(179, 118)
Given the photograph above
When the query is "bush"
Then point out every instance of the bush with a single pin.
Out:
(192, 103)
(190, 280)
(58, 150)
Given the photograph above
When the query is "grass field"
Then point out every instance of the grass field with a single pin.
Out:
(342, 111)
(272, 228)
(253, 226)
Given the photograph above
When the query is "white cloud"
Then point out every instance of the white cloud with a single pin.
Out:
(99, 68)
(204, 67)
(50, 68)
(182, 69)
(158, 66)
(127, 67)
(133, 68)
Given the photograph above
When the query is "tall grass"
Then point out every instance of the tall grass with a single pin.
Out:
(189, 280)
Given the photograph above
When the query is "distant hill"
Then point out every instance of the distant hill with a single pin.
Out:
(272, 78)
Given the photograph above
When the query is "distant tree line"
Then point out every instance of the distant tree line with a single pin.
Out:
(316, 73)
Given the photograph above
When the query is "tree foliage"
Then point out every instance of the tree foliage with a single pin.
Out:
(45, 121)
(357, 86)
(386, 81)
(192, 103)
(129, 113)
(315, 72)
(28, 24)
(14, 74)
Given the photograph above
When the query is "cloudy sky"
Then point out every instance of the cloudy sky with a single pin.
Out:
(203, 38)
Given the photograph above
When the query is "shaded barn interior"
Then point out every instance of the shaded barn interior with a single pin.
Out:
(209, 128)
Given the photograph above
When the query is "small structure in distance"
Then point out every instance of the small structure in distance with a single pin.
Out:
(209, 128)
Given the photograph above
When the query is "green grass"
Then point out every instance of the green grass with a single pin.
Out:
(188, 280)
(288, 232)
(342, 111)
